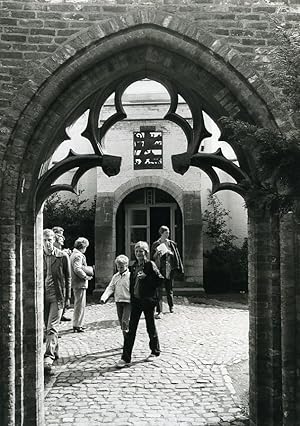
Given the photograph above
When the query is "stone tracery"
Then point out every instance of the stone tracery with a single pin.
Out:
(194, 134)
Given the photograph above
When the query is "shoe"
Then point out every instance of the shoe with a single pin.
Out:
(63, 318)
(151, 357)
(49, 370)
(171, 310)
(157, 316)
(122, 364)
(78, 329)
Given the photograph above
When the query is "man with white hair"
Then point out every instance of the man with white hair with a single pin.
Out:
(59, 243)
(81, 274)
(57, 292)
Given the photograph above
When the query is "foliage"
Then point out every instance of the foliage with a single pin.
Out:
(275, 176)
(284, 64)
(274, 171)
(74, 216)
(215, 217)
(226, 264)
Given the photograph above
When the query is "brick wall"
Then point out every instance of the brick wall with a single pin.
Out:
(32, 30)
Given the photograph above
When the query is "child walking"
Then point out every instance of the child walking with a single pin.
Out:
(119, 288)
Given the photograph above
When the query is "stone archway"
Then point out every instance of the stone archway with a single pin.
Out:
(121, 49)
(162, 183)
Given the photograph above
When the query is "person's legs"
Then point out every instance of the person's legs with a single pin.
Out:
(53, 320)
(79, 306)
(159, 306)
(63, 316)
(119, 306)
(151, 329)
(125, 317)
(129, 339)
(169, 292)
(46, 316)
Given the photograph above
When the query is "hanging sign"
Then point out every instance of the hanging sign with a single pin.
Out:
(147, 150)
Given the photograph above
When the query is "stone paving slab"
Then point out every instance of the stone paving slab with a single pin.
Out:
(189, 384)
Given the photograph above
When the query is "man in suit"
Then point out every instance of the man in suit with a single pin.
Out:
(57, 292)
(165, 254)
(59, 243)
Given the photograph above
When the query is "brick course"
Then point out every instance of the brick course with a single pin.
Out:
(60, 20)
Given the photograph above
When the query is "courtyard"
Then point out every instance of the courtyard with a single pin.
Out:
(201, 377)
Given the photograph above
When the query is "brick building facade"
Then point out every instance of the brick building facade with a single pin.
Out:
(59, 58)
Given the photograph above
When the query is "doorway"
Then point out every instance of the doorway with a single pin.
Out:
(140, 216)
(161, 216)
(143, 223)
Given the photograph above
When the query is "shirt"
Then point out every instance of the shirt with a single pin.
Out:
(119, 287)
(137, 281)
(166, 262)
(49, 282)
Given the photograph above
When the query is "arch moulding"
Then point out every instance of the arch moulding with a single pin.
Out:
(143, 181)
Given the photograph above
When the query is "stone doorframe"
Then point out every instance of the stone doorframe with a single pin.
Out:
(189, 202)
(139, 45)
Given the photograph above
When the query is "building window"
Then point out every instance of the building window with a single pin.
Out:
(147, 150)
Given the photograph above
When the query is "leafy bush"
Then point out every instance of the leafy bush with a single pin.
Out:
(275, 176)
(75, 216)
(215, 219)
(284, 65)
(226, 264)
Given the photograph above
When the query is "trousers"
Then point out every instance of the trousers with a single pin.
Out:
(52, 316)
(168, 284)
(79, 306)
(123, 311)
(136, 310)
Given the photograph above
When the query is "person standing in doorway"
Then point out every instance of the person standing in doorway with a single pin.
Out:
(81, 274)
(145, 278)
(165, 254)
(57, 292)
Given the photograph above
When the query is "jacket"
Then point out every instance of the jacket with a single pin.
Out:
(176, 263)
(119, 287)
(61, 275)
(147, 286)
(78, 262)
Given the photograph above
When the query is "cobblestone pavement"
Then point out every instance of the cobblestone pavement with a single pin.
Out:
(189, 384)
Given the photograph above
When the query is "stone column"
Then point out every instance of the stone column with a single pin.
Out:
(193, 243)
(31, 269)
(297, 302)
(264, 309)
(290, 294)
(105, 245)
(19, 414)
(7, 321)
